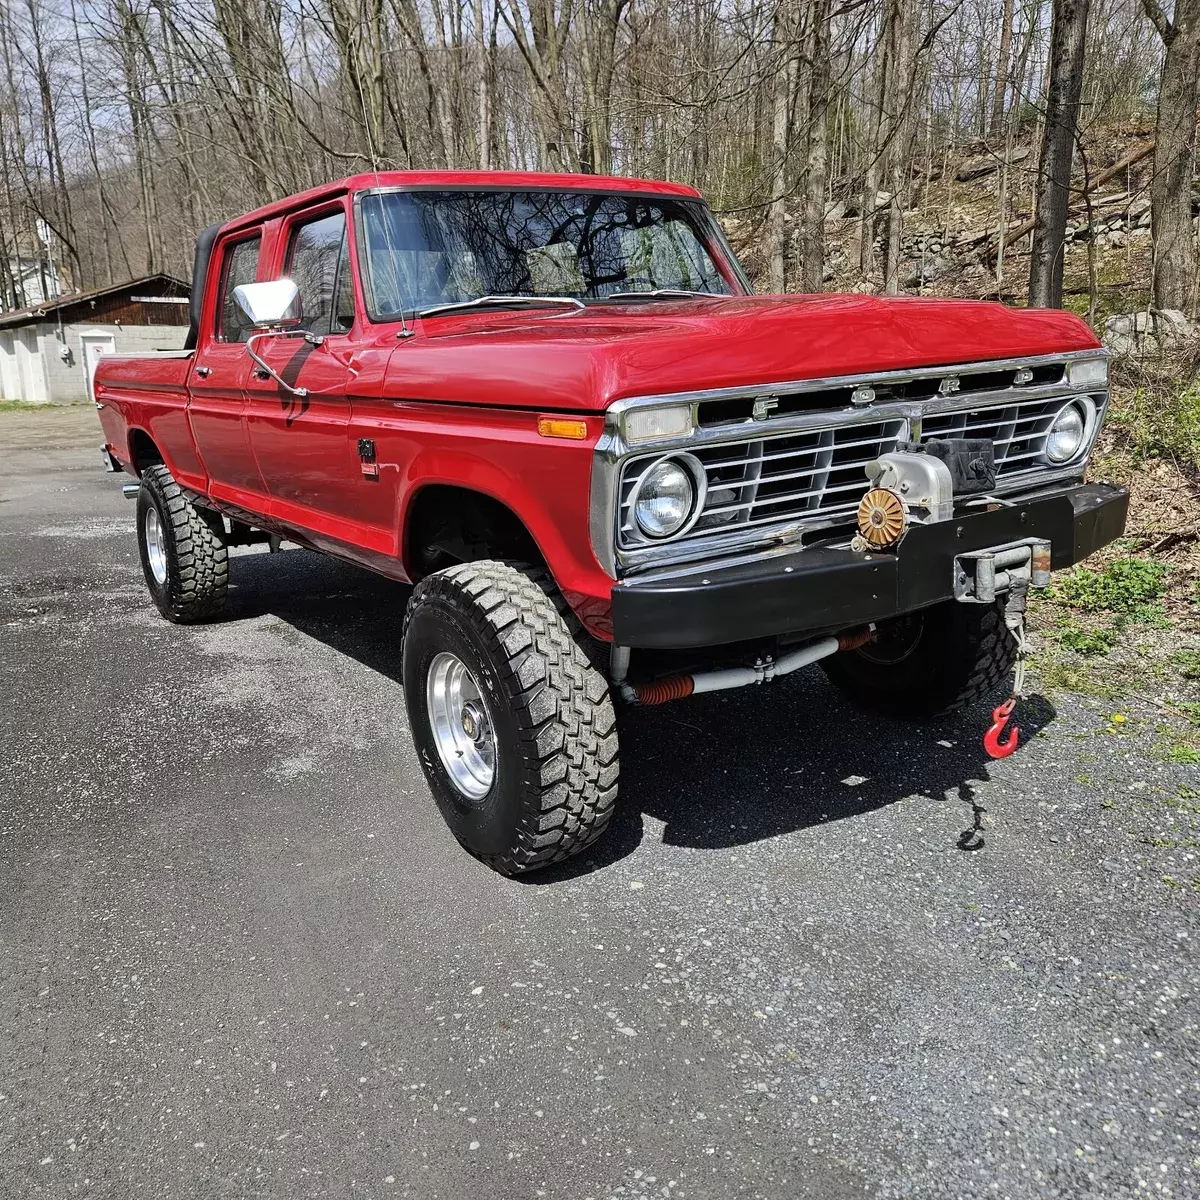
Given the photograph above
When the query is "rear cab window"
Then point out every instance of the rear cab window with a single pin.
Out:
(318, 262)
(239, 264)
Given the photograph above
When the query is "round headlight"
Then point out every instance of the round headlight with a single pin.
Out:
(1065, 437)
(664, 499)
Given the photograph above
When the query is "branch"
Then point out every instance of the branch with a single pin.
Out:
(1134, 156)
(1159, 19)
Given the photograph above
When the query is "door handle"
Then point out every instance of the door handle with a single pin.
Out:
(204, 372)
(261, 373)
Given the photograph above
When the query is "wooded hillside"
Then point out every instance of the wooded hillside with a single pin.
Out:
(127, 125)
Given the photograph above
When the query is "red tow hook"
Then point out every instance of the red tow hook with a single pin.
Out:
(991, 740)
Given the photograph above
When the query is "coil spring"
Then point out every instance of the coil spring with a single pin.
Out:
(674, 687)
(854, 639)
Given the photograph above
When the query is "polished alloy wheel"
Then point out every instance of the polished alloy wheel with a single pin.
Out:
(462, 728)
(156, 545)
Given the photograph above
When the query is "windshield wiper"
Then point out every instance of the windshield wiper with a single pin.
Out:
(669, 293)
(499, 301)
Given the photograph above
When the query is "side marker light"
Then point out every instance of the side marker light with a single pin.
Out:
(560, 427)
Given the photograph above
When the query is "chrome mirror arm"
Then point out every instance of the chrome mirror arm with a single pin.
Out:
(312, 339)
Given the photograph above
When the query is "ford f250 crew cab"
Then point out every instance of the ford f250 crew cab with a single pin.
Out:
(613, 475)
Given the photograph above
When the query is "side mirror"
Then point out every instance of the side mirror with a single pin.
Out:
(271, 304)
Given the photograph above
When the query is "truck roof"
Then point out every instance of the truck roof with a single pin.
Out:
(481, 180)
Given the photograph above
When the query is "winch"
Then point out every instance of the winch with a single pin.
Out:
(919, 482)
(906, 486)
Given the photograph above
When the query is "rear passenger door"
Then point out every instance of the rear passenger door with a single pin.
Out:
(216, 409)
(302, 442)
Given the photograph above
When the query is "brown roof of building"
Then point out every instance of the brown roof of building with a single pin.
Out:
(161, 283)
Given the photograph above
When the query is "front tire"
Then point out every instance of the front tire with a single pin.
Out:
(183, 550)
(514, 727)
(928, 663)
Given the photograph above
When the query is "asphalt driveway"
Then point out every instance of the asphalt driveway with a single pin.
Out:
(240, 954)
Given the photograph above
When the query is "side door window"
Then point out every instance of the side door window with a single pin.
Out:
(240, 266)
(216, 404)
(318, 261)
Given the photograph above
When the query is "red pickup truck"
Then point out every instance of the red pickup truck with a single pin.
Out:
(552, 404)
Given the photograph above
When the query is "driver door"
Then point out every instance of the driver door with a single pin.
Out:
(302, 443)
(217, 402)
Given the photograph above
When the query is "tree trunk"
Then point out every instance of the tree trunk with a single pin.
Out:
(1174, 157)
(1000, 95)
(61, 221)
(483, 99)
(1067, 40)
(781, 131)
(900, 109)
(540, 32)
(599, 30)
(866, 248)
(812, 264)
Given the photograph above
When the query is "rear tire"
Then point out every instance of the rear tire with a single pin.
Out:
(184, 555)
(928, 663)
(514, 727)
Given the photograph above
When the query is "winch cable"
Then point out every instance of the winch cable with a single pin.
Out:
(1014, 620)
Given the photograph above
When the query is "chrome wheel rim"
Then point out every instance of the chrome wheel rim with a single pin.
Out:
(461, 726)
(156, 545)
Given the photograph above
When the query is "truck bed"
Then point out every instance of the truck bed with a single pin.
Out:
(147, 395)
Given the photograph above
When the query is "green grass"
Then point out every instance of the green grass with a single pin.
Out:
(1181, 752)
(1129, 588)
(1062, 675)
(1182, 746)
(1188, 662)
(1107, 598)
(1172, 882)
(1090, 643)
(1160, 423)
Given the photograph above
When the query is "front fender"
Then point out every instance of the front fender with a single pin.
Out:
(545, 482)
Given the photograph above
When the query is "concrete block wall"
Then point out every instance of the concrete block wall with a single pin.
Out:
(66, 383)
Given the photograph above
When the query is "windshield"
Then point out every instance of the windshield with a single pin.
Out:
(426, 249)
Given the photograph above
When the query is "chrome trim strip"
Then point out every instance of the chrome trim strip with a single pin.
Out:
(884, 377)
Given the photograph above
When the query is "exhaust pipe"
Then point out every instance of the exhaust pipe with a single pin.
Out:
(676, 687)
(130, 490)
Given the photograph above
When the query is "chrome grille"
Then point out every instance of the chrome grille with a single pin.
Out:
(812, 473)
(1018, 431)
(781, 460)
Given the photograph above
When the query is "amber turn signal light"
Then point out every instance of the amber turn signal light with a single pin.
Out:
(560, 427)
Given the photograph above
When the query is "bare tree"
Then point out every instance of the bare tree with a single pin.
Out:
(1175, 155)
(1067, 42)
(812, 257)
(783, 92)
(126, 124)
(900, 75)
(1000, 95)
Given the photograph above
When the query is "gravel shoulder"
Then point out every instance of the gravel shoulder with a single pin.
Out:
(240, 954)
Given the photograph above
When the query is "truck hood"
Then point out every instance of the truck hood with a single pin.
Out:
(583, 361)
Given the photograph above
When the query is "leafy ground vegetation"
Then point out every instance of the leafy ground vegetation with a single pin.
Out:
(1121, 634)
(1132, 614)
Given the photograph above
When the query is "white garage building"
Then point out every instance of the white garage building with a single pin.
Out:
(48, 352)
